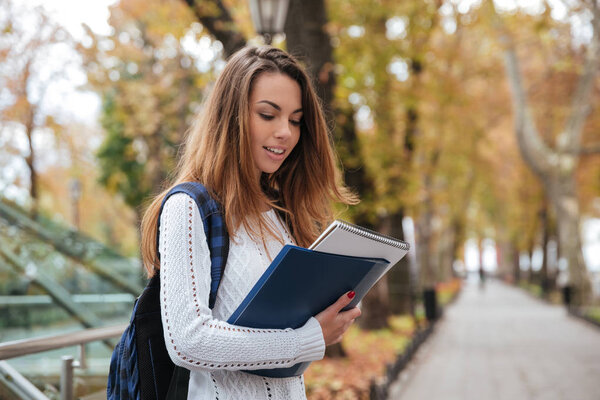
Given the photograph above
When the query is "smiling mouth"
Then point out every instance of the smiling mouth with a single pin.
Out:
(274, 151)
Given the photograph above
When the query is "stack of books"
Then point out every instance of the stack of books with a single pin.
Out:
(301, 283)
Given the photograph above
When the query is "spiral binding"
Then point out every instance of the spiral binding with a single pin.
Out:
(378, 237)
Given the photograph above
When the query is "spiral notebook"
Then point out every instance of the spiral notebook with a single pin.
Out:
(300, 282)
(348, 239)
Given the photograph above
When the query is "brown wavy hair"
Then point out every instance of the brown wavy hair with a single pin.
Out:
(217, 154)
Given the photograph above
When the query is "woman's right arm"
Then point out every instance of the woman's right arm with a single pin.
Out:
(196, 340)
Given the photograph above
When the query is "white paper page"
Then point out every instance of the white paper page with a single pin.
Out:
(337, 240)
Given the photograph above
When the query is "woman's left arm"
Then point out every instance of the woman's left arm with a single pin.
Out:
(195, 339)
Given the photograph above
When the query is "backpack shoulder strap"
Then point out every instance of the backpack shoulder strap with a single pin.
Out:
(214, 229)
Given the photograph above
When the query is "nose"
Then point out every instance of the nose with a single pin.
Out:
(283, 130)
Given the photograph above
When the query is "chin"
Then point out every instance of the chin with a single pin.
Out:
(270, 169)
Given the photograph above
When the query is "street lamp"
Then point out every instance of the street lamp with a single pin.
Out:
(75, 191)
(268, 17)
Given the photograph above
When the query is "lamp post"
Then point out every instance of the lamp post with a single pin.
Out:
(268, 17)
(75, 191)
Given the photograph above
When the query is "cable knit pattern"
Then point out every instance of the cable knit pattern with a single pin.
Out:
(198, 338)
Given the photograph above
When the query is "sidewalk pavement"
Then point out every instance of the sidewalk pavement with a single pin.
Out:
(500, 343)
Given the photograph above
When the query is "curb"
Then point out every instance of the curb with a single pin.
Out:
(578, 314)
(379, 391)
(572, 311)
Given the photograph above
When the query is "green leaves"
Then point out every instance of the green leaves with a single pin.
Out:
(151, 86)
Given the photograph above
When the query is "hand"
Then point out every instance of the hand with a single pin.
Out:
(334, 322)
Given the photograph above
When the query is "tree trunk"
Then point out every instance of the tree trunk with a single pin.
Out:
(30, 161)
(516, 260)
(376, 307)
(429, 271)
(556, 167)
(530, 252)
(307, 39)
(446, 245)
(348, 148)
(544, 281)
(505, 260)
(400, 279)
(564, 198)
(427, 276)
(481, 268)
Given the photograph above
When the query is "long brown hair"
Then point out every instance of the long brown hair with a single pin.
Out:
(217, 154)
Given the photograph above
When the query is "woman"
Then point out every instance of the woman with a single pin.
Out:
(262, 148)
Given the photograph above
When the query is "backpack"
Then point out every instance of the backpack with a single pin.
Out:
(140, 366)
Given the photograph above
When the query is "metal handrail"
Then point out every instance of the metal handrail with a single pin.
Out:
(43, 299)
(18, 348)
(18, 385)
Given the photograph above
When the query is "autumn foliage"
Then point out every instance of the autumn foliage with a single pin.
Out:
(368, 354)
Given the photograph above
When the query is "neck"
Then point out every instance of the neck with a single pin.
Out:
(264, 206)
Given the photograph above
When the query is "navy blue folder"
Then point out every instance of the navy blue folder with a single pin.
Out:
(299, 284)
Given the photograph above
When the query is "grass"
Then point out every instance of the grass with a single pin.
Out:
(593, 313)
(553, 296)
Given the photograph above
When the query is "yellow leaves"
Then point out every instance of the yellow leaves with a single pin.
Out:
(158, 17)
(8, 28)
(140, 109)
(115, 181)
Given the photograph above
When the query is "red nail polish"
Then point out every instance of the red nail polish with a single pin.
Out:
(351, 294)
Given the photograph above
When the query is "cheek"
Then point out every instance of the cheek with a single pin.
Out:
(255, 129)
(296, 137)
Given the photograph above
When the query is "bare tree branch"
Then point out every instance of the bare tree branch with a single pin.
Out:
(215, 17)
(590, 150)
(533, 149)
(570, 138)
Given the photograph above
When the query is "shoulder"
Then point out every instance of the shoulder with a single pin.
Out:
(199, 211)
(178, 209)
(177, 202)
(206, 203)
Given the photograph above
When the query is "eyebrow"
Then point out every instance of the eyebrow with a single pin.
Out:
(275, 106)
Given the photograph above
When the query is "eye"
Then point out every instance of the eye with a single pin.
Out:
(266, 117)
(295, 122)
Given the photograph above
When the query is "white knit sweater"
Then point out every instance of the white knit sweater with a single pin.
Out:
(198, 338)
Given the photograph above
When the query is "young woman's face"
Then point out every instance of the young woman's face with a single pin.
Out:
(275, 114)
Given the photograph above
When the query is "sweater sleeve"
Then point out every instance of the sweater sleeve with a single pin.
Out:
(196, 340)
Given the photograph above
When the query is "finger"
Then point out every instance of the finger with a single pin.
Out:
(352, 313)
(343, 301)
(347, 325)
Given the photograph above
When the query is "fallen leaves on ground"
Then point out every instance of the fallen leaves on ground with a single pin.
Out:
(368, 354)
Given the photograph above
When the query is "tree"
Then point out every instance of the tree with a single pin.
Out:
(556, 165)
(27, 75)
(217, 19)
(150, 86)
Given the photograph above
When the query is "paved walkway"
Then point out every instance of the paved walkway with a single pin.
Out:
(500, 343)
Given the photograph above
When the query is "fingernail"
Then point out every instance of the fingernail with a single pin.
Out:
(351, 294)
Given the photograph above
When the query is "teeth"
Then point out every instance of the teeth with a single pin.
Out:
(276, 151)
